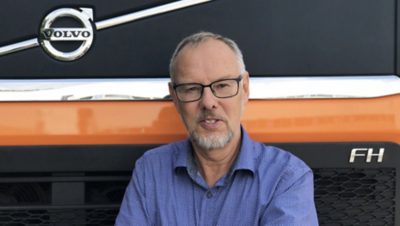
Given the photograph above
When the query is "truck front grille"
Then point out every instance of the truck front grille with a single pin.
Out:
(344, 197)
(63, 217)
(350, 197)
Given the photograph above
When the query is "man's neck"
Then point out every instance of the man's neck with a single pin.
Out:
(213, 164)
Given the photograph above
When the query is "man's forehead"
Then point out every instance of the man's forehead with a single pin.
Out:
(210, 55)
(209, 46)
(206, 62)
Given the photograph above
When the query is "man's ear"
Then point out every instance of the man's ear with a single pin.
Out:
(246, 86)
(172, 93)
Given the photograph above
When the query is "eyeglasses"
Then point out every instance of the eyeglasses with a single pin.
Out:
(224, 88)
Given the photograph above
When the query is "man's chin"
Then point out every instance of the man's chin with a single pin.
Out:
(209, 134)
(210, 141)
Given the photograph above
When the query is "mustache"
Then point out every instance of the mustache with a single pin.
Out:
(207, 115)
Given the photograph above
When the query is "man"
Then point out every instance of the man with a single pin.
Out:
(219, 176)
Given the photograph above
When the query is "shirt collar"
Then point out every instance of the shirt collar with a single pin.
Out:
(244, 161)
(246, 157)
(183, 154)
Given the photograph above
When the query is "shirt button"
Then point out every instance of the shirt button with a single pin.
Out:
(209, 194)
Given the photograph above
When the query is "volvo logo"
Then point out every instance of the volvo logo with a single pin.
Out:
(50, 34)
(84, 34)
(68, 34)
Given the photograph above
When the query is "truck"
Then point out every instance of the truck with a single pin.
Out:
(83, 94)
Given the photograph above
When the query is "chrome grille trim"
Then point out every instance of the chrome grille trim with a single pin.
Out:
(157, 88)
(147, 13)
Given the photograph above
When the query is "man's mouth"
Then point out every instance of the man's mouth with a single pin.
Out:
(211, 123)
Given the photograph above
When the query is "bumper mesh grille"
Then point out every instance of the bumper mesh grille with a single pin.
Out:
(60, 217)
(344, 197)
(350, 197)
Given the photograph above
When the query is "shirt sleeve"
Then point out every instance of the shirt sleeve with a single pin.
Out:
(133, 210)
(293, 202)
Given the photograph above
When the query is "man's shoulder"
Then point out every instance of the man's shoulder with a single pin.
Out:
(163, 153)
(280, 168)
(280, 159)
(268, 156)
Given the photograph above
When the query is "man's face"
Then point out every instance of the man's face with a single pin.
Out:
(212, 122)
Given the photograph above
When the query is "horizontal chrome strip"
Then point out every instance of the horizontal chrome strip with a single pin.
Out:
(157, 89)
(27, 44)
(146, 13)
(324, 87)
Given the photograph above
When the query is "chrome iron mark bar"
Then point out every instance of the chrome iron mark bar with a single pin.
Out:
(19, 46)
(147, 12)
(157, 89)
(100, 25)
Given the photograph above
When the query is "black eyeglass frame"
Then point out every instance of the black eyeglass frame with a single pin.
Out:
(238, 79)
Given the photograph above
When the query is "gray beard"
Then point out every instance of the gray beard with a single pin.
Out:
(210, 143)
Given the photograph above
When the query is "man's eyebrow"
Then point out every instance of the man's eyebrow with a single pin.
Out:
(227, 77)
(231, 76)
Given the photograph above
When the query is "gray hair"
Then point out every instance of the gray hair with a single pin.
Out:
(200, 37)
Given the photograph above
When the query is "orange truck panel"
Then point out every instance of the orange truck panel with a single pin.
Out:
(157, 122)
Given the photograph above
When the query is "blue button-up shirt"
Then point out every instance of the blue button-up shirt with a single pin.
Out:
(265, 186)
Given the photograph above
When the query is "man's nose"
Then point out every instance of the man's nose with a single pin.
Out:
(208, 99)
